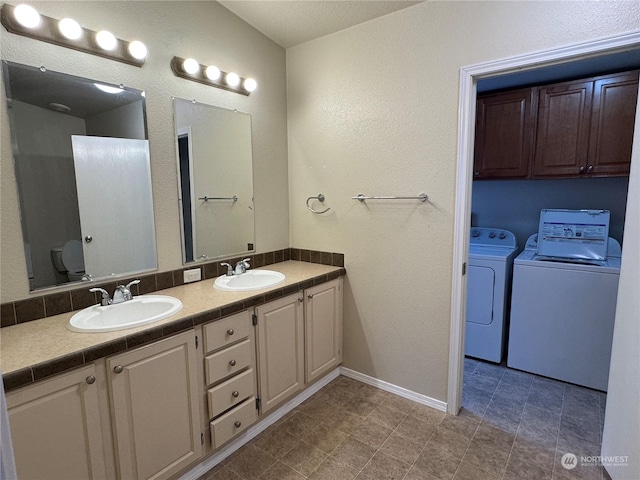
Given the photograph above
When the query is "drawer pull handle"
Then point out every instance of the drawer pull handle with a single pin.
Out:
(118, 369)
(237, 424)
(235, 394)
(230, 332)
(91, 379)
(232, 363)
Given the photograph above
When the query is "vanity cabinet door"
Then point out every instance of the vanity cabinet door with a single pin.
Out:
(156, 408)
(323, 328)
(56, 429)
(280, 350)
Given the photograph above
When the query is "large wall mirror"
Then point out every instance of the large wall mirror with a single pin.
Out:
(215, 172)
(83, 175)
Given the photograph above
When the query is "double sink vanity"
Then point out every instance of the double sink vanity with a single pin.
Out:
(146, 386)
(153, 400)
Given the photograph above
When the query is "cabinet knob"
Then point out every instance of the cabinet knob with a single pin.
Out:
(237, 423)
(300, 300)
(118, 369)
(230, 331)
(235, 394)
(232, 363)
(91, 379)
(590, 169)
(475, 174)
(310, 296)
(582, 169)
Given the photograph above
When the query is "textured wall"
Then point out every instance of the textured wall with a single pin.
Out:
(374, 109)
(204, 30)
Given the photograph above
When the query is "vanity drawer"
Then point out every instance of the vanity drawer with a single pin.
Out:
(231, 392)
(228, 330)
(232, 423)
(228, 361)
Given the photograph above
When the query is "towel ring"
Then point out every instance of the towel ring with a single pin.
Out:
(320, 198)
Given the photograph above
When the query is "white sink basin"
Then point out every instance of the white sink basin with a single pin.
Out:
(251, 280)
(133, 313)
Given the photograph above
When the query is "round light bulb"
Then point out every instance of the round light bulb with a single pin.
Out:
(27, 16)
(212, 72)
(138, 50)
(232, 79)
(106, 40)
(70, 29)
(250, 84)
(191, 66)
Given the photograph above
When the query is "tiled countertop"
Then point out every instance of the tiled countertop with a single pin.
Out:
(34, 350)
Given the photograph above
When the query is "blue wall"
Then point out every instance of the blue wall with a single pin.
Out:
(515, 204)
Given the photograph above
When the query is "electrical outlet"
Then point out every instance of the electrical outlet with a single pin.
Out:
(193, 275)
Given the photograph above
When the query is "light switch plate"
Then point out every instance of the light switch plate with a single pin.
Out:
(193, 275)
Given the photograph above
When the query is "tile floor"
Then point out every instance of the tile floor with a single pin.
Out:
(513, 425)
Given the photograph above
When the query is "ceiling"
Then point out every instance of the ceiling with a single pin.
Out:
(291, 22)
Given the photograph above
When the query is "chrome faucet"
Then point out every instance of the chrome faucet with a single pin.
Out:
(242, 265)
(121, 294)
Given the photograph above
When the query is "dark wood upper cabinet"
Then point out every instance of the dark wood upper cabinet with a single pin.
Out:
(578, 128)
(562, 137)
(504, 135)
(612, 121)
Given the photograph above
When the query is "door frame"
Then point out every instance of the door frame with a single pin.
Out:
(469, 77)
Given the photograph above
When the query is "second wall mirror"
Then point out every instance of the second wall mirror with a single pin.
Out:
(215, 176)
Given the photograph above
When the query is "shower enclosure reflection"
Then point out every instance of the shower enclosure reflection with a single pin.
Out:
(215, 170)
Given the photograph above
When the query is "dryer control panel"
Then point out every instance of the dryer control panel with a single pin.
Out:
(494, 237)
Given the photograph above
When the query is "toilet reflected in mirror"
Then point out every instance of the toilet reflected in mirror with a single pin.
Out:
(69, 260)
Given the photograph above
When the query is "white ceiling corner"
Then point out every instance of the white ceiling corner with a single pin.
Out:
(291, 22)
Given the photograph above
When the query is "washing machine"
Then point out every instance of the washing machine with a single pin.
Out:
(565, 286)
(491, 253)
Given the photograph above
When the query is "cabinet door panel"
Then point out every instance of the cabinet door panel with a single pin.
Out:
(155, 408)
(281, 350)
(323, 329)
(612, 122)
(55, 428)
(563, 129)
(504, 134)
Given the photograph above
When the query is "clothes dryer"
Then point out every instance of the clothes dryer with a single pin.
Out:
(491, 253)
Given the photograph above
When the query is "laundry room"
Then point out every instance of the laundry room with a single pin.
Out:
(551, 174)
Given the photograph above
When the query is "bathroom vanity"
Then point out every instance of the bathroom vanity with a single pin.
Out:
(199, 378)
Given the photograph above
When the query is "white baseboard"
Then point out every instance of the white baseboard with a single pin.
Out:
(253, 431)
(390, 387)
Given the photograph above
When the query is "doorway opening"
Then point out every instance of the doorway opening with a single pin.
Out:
(575, 59)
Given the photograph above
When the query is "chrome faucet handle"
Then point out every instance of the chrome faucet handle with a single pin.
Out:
(133, 282)
(229, 269)
(106, 298)
(242, 265)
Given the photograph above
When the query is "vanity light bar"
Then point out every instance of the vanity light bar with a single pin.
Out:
(211, 75)
(25, 20)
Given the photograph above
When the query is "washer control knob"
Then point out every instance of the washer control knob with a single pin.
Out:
(475, 233)
(492, 234)
(502, 235)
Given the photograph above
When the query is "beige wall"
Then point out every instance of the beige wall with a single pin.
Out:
(204, 30)
(374, 110)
